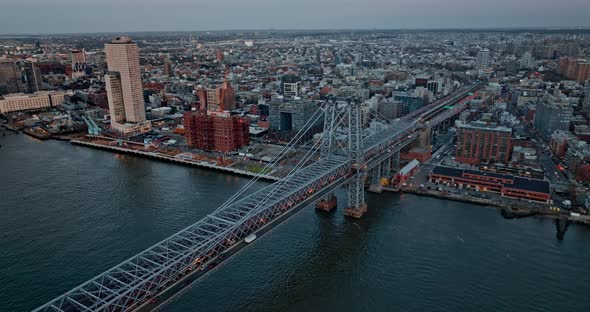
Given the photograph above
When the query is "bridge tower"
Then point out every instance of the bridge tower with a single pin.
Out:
(328, 202)
(356, 189)
(330, 121)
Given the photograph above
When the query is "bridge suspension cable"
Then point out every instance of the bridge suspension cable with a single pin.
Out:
(284, 151)
(308, 156)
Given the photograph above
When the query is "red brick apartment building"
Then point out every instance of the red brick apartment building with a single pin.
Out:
(477, 143)
(216, 132)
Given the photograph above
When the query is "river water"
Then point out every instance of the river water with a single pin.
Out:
(67, 213)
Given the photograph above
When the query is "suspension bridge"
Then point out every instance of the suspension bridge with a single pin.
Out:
(344, 155)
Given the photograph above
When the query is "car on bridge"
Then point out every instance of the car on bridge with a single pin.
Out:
(250, 238)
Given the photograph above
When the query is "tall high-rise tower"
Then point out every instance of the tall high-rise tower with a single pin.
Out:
(228, 100)
(167, 68)
(483, 60)
(8, 78)
(124, 89)
(34, 82)
(78, 62)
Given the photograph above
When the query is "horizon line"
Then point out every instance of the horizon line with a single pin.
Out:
(494, 28)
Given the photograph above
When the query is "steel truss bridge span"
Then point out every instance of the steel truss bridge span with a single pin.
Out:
(134, 281)
(131, 285)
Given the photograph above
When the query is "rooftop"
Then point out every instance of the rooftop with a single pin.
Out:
(520, 183)
(487, 127)
(29, 95)
(121, 40)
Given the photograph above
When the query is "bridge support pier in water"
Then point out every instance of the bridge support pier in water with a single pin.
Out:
(376, 188)
(328, 203)
(356, 212)
(357, 207)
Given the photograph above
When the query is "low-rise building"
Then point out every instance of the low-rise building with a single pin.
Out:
(559, 142)
(504, 184)
(291, 115)
(523, 154)
(390, 108)
(405, 173)
(552, 114)
(19, 102)
(160, 112)
(417, 153)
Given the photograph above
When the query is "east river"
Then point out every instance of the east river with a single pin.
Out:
(68, 213)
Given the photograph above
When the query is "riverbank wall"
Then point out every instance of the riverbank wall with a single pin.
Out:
(513, 209)
(509, 210)
(175, 160)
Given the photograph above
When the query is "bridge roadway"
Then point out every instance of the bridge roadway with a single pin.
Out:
(447, 114)
(430, 111)
(138, 280)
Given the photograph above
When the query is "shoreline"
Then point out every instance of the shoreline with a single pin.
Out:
(170, 159)
(66, 136)
(10, 128)
(515, 210)
(508, 210)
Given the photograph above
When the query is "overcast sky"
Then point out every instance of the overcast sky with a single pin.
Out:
(67, 16)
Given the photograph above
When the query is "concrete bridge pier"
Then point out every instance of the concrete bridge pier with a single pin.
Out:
(327, 203)
(395, 161)
(376, 186)
(386, 168)
(433, 133)
(356, 212)
(357, 207)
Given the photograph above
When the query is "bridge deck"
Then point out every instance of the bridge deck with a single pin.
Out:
(134, 281)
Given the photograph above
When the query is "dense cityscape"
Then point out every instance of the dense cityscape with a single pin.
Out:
(495, 118)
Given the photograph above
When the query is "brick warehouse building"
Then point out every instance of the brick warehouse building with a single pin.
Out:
(216, 132)
(506, 185)
(477, 143)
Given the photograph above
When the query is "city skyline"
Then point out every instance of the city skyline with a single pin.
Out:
(181, 15)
